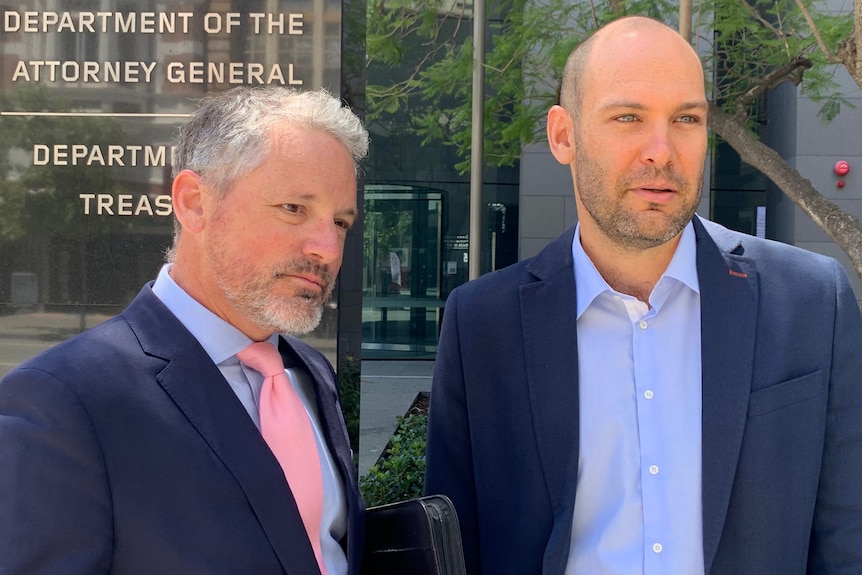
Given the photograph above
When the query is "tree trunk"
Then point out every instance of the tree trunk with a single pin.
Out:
(844, 229)
(849, 51)
(856, 39)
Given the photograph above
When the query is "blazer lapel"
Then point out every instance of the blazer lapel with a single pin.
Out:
(548, 313)
(330, 413)
(729, 300)
(335, 434)
(729, 287)
(202, 394)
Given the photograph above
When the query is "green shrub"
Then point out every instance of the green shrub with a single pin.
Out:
(349, 395)
(399, 473)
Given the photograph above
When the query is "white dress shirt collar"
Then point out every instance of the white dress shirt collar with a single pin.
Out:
(220, 340)
(589, 283)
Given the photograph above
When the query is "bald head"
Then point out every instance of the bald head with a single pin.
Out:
(630, 41)
(633, 130)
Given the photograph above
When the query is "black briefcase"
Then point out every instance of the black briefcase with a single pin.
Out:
(416, 537)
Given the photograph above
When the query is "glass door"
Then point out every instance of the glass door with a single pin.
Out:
(402, 303)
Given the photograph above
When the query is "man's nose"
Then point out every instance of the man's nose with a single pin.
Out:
(324, 242)
(658, 148)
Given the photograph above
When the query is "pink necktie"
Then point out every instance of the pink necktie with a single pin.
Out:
(287, 430)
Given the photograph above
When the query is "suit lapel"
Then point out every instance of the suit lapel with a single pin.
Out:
(729, 300)
(330, 413)
(205, 398)
(548, 313)
(335, 434)
(729, 288)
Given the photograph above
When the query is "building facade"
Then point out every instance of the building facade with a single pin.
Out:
(91, 94)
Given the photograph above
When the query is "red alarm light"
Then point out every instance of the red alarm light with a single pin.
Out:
(842, 168)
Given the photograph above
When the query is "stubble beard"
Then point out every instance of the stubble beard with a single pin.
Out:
(629, 230)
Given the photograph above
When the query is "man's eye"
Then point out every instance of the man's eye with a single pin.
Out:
(689, 120)
(343, 224)
(627, 118)
(293, 208)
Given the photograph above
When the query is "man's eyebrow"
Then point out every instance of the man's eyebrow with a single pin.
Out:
(304, 197)
(314, 198)
(701, 105)
(613, 104)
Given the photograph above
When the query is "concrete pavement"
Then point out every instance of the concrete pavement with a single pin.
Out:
(25, 334)
(388, 389)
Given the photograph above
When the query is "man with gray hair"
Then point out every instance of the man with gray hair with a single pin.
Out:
(164, 440)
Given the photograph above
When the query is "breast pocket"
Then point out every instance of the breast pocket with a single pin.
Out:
(786, 393)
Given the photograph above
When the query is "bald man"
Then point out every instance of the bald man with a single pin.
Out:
(661, 395)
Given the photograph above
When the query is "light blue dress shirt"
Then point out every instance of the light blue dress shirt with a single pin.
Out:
(222, 342)
(638, 506)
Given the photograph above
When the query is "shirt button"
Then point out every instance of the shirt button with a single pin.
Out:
(643, 324)
(648, 394)
(656, 547)
(653, 469)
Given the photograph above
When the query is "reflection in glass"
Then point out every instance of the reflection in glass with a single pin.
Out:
(85, 146)
(403, 244)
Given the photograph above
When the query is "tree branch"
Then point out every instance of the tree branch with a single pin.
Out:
(814, 30)
(618, 7)
(765, 23)
(856, 68)
(792, 71)
(849, 53)
(593, 12)
(844, 228)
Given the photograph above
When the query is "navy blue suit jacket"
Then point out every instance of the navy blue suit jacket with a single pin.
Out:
(125, 451)
(782, 411)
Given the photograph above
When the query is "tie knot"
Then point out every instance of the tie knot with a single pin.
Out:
(263, 358)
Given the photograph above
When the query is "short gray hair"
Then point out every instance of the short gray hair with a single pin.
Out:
(229, 134)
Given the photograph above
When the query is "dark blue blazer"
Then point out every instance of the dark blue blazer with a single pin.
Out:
(125, 451)
(782, 411)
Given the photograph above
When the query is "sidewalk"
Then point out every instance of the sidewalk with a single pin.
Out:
(388, 390)
(24, 335)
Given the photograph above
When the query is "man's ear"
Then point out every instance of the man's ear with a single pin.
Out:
(561, 135)
(187, 196)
